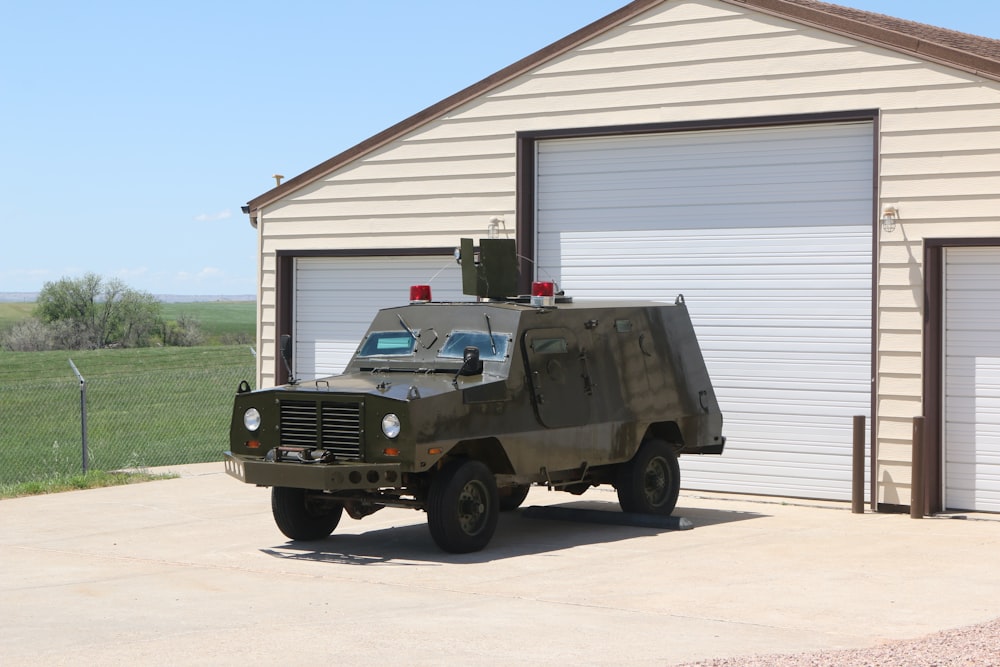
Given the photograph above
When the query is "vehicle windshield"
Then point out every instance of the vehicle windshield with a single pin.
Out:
(454, 347)
(388, 344)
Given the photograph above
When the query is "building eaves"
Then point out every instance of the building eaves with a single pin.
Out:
(970, 53)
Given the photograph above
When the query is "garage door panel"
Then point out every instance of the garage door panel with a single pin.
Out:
(709, 243)
(337, 297)
(972, 379)
(719, 216)
(736, 198)
(767, 234)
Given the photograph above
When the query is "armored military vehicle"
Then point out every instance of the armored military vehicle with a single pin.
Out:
(458, 408)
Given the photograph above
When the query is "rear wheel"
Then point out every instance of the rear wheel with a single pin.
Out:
(301, 518)
(463, 506)
(651, 481)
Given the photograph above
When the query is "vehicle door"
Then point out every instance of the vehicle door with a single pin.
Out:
(557, 371)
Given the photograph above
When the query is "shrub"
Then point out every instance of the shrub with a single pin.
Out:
(29, 335)
(185, 332)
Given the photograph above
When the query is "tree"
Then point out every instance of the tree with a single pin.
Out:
(89, 312)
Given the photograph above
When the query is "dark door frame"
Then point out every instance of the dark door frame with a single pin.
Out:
(284, 288)
(526, 201)
(933, 366)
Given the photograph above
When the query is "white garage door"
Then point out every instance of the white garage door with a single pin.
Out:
(767, 233)
(337, 297)
(972, 379)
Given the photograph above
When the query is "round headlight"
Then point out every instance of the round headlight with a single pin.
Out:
(251, 419)
(390, 425)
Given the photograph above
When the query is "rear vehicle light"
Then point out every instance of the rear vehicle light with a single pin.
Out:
(543, 294)
(420, 293)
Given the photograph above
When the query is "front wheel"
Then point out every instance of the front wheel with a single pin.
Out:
(300, 518)
(651, 481)
(463, 506)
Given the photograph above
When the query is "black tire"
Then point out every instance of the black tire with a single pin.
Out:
(512, 498)
(651, 481)
(299, 519)
(463, 506)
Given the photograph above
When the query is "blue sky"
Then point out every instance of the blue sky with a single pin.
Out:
(131, 132)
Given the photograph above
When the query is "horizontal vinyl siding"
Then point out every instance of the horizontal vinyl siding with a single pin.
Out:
(683, 61)
(941, 168)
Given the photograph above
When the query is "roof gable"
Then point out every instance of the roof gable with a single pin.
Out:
(970, 53)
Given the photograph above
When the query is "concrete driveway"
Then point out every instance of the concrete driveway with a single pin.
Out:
(193, 571)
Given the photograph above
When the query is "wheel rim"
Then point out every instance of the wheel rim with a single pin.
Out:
(656, 482)
(473, 506)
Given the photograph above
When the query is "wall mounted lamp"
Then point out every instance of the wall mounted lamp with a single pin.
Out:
(890, 216)
(496, 224)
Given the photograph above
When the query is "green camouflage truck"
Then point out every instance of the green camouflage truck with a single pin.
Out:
(457, 408)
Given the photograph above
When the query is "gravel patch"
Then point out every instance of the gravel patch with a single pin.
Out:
(972, 646)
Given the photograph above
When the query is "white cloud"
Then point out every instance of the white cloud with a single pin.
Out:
(212, 217)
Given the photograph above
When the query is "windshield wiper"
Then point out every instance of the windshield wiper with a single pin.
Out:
(489, 328)
(408, 329)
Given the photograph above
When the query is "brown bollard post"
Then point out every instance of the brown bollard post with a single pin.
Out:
(858, 467)
(917, 471)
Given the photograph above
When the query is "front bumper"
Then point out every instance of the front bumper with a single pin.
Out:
(316, 476)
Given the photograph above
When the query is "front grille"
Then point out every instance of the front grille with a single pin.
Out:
(340, 427)
(334, 426)
(298, 424)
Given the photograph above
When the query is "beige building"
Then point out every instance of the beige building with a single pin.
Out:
(821, 183)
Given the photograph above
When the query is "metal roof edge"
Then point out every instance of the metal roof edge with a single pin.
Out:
(811, 13)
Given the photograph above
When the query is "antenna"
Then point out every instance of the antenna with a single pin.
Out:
(542, 269)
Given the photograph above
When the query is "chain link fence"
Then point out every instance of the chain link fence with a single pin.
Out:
(142, 418)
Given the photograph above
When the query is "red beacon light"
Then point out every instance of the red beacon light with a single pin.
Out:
(543, 294)
(420, 293)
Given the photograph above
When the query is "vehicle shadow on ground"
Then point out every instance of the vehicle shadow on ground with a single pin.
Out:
(516, 535)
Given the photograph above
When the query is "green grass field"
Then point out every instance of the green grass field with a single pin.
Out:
(220, 321)
(13, 312)
(145, 406)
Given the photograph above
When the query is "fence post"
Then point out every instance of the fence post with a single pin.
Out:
(917, 471)
(858, 467)
(83, 416)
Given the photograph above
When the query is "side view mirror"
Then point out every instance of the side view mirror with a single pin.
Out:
(471, 363)
(285, 349)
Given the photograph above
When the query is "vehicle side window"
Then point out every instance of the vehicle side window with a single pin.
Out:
(388, 344)
(549, 346)
(454, 347)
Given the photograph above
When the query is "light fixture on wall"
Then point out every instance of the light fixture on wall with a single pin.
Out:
(890, 216)
(493, 230)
